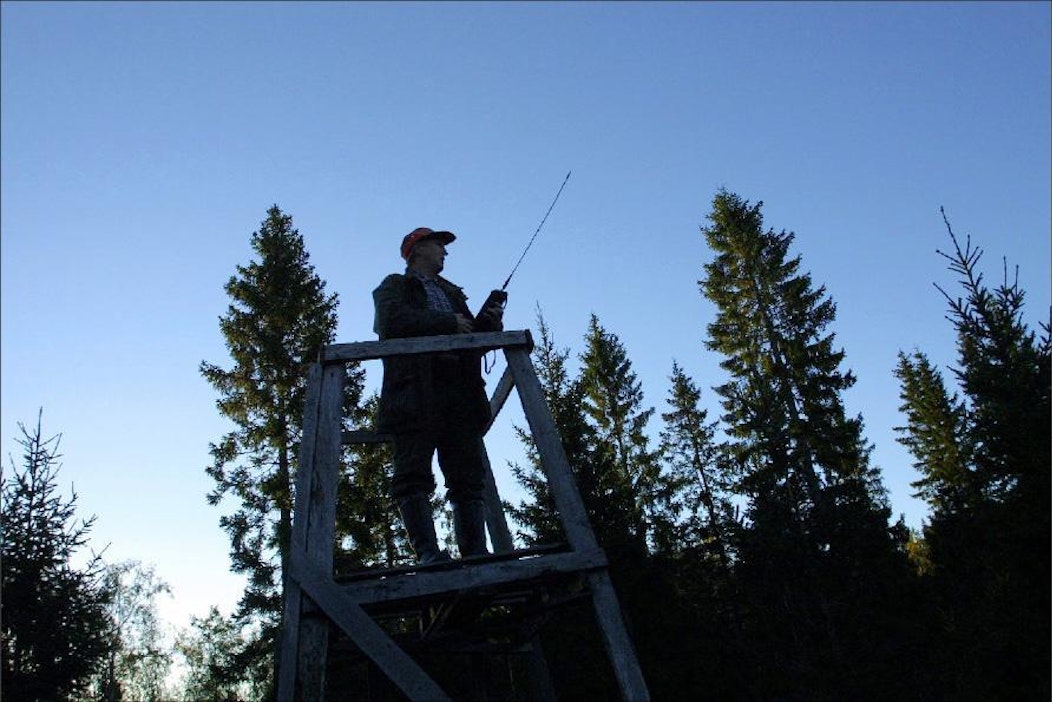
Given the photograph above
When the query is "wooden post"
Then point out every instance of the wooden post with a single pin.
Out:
(576, 525)
(321, 528)
(615, 637)
(500, 396)
(499, 533)
(496, 522)
(290, 630)
(553, 457)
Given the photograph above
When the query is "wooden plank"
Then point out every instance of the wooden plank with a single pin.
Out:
(290, 625)
(321, 527)
(482, 341)
(496, 522)
(373, 641)
(377, 573)
(502, 540)
(575, 523)
(322, 511)
(308, 442)
(425, 583)
(553, 456)
(615, 637)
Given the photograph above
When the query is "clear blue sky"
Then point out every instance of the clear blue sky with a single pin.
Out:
(142, 144)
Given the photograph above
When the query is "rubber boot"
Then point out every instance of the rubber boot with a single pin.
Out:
(420, 526)
(469, 521)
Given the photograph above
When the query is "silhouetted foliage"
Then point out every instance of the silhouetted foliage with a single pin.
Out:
(371, 533)
(935, 434)
(985, 463)
(211, 650)
(55, 628)
(624, 508)
(697, 467)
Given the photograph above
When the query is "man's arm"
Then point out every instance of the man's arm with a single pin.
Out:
(489, 319)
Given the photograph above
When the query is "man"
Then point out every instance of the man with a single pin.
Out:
(433, 402)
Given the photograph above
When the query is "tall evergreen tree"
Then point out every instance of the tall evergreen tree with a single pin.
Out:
(602, 426)
(817, 511)
(701, 611)
(55, 629)
(985, 462)
(689, 449)
(279, 318)
(635, 514)
(632, 486)
(574, 651)
(1004, 373)
(935, 434)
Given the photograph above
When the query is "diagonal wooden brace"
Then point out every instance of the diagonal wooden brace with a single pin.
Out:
(373, 641)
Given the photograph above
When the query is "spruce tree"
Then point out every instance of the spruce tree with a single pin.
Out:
(701, 608)
(571, 643)
(689, 449)
(935, 433)
(817, 514)
(1004, 373)
(278, 319)
(55, 626)
(631, 485)
(985, 462)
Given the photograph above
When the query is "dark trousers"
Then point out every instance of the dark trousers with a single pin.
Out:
(459, 458)
(452, 429)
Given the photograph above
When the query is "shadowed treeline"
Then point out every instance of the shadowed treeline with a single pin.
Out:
(754, 553)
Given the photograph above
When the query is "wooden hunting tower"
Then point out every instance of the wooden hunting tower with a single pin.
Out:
(478, 604)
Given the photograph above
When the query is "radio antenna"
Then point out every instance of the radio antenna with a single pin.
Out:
(536, 231)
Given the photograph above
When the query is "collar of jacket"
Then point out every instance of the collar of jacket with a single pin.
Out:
(446, 285)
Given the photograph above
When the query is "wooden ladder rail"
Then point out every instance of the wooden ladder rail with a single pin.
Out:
(313, 598)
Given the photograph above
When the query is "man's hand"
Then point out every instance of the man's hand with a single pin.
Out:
(464, 325)
(490, 316)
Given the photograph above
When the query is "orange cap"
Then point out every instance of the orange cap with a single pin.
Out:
(419, 233)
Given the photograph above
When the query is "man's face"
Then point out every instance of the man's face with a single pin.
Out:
(430, 253)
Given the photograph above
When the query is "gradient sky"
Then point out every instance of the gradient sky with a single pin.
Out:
(142, 144)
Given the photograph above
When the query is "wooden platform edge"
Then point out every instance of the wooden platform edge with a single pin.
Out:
(423, 584)
(369, 350)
